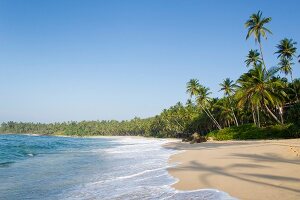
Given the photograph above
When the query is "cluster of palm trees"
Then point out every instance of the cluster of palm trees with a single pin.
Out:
(259, 92)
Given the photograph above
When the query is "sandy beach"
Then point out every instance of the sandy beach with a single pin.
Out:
(267, 169)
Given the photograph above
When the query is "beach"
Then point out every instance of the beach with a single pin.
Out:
(265, 169)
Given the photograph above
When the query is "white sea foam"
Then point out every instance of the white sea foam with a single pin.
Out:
(139, 171)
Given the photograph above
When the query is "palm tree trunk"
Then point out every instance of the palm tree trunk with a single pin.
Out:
(253, 115)
(281, 114)
(214, 119)
(272, 114)
(211, 117)
(235, 119)
(258, 118)
(179, 124)
(262, 56)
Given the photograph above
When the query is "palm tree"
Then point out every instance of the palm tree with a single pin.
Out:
(260, 89)
(256, 27)
(285, 66)
(286, 51)
(203, 100)
(201, 93)
(253, 58)
(189, 103)
(228, 87)
(225, 111)
(193, 87)
(286, 48)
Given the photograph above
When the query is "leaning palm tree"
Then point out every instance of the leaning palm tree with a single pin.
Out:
(259, 88)
(201, 93)
(253, 58)
(256, 27)
(228, 87)
(203, 100)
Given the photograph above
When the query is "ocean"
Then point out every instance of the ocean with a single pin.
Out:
(49, 167)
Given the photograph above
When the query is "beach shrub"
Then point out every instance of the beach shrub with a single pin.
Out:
(250, 131)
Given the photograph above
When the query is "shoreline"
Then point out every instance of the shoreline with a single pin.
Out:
(95, 136)
(268, 167)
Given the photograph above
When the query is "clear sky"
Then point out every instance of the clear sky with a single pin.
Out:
(90, 60)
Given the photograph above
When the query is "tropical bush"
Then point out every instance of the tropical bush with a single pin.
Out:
(250, 131)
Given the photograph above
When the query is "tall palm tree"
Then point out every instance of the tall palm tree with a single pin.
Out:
(228, 87)
(203, 100)
(256, 27)
(259, 88)
(192, 87)
(286, 51)
(286, 48)
(253, 58)
(201, 93)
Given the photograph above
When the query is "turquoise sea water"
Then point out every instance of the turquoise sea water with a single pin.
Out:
(46, 167)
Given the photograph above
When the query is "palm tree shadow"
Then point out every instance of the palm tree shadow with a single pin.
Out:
(208, 145)
(215, 170)
(267, 157)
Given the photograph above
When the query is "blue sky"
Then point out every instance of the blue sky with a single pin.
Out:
(90, 60)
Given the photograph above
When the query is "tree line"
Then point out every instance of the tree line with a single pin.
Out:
(261, 96)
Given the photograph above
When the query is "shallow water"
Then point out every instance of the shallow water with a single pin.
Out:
(46, 167)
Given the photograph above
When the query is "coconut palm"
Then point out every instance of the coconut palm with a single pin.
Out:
(286, 49)
(256, 27)
(260, 89)
(253, 58)
(228, 87)
(193, 87)
(203, 100)
(285, 66)
(225, 113)
(202, 97)
(189, 103)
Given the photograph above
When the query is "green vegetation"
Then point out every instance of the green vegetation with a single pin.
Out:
(250, 131)
(260, 104)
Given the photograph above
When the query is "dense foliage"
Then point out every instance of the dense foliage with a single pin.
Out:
(250, 131)
(256, 106)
